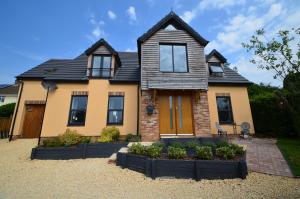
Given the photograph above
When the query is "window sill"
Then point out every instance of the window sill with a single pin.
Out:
(226, 123)
(114, 124)
(76, 124)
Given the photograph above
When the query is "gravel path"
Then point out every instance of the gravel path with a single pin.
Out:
(94, 178)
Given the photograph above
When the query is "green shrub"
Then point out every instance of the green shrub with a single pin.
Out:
(177, 145)
(153, 151)
(137, 148)
(204, 152)
(238, 150)
(132, 138)
(225, 153)
(222, 144)
(7, 109)
(176, 152)
(55, 142)
(109, 134)
(70, 137)
(192, 144)
(85, 140)
(159, 144)
(210, 144)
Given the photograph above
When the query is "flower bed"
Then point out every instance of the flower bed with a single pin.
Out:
(193, 159)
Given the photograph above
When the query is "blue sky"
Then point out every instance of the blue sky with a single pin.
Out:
(34, 31)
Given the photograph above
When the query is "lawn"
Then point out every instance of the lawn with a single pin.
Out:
(290, 149)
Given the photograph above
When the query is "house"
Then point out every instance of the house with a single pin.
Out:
(168, 88)
(8, 94)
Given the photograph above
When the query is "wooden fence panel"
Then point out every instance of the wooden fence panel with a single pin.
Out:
(4, 126)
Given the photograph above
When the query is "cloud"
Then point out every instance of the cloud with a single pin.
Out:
(111, 15)
(29, 55)
(131, 13)
(240, 28)
(97, 28)
(189, 15)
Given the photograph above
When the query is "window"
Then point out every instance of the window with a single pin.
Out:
(115, 110)
(224, 110)
(2, 98)
(216, 69)
(173, 58)
(78, 110)
(101, 66)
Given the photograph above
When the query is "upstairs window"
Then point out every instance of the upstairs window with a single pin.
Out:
(224, 110)
(173, 58)
(101, 66)
(78, 110)
(215, 69)
(115, 110)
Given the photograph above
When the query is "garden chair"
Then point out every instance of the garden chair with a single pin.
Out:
(221, 131)
(245, 129)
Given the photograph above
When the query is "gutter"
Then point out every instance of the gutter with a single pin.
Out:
(138, 111)
(16, 112)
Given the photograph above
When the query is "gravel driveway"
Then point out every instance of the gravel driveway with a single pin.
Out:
(21, 177)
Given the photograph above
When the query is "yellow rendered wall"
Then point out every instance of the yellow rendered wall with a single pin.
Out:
(240, 106)
(57, 110)
(33, 91)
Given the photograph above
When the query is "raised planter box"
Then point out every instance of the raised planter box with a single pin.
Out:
(195, 169)
(94, 150)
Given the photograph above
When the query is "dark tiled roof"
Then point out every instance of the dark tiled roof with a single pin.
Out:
(10, 90)
(229, 77)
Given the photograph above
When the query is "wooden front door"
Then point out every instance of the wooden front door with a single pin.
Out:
(33, 120)
(175, 113)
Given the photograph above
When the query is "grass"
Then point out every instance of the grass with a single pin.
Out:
(290, 148)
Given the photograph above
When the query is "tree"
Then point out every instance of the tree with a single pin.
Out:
(278, 54)
(281, 55)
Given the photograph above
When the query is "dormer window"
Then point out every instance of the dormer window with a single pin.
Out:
(173, 58)
(101, 66)
(215, 69)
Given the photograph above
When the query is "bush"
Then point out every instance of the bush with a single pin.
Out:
(177, 145)
(222, 144)
(210, 144)
(132, 138)
(137, 148)
(70, 137)
(153, 151)
(85, 140)
(55, 142)
(176, 152)
(109, 134)
(225, 153)
(192, 144)
(238, 150)
(158, 144)
(7, 109)
(204, 152)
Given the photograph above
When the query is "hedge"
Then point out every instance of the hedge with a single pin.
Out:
(7, 110)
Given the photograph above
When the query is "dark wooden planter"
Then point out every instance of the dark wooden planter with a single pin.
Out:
(95, 150)
(195, 169)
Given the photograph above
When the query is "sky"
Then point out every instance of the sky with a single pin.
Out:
(34, 31)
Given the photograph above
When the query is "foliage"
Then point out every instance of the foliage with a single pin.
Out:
(132, 138)
(7, 109)
(70, 137)
(55, 142)
(222, 144)
(137, 148)
(85, 140)
(204, 152)
(238, 150)
(158, 144)
(210, 144)
(276, 54)
(192, 144)
(225, 152)
(153, 151)
(290, 149)
(176, 152)
(177, 145)
(109, 134)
